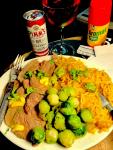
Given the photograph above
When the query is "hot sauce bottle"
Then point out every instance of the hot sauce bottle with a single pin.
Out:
(98, 21)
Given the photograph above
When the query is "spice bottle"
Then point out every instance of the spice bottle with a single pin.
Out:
(98, 21)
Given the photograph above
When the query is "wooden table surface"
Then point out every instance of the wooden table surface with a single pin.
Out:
(106, 144)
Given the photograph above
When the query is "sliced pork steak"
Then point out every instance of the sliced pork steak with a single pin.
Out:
(31, 66)
(32, 100)
(16, 115)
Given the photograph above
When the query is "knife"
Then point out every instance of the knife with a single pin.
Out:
(8, 89)
(106, 104)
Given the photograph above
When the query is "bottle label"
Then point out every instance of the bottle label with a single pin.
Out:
(38, 36)
(97, 34)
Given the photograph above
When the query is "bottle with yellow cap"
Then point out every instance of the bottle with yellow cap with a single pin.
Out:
(98, 21)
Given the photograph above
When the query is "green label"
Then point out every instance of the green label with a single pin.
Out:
(94, 36)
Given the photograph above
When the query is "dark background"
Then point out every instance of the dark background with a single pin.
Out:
(14, 38)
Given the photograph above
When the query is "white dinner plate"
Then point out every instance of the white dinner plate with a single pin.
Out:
(82, 143)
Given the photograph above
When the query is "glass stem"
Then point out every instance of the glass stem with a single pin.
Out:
(62, 48)
(61, 38)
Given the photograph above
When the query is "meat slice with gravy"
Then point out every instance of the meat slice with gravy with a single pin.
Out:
(17, 116)
(47, 67)
(32, 100)
(21, 91)
(27, 116)
(35, 83)
(16, 84)
(31, 66)
(26, 83)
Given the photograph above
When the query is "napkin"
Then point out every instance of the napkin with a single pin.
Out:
(104, 57)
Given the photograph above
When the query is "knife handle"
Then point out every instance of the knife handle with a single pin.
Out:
(9, 87)
(3, 107)
(4, 104)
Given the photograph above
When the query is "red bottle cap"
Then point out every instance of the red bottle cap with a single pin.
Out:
(99, 12)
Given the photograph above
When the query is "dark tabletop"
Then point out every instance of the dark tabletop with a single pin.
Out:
(16, 40)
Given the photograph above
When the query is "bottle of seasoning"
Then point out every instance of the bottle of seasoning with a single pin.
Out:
(98, 21)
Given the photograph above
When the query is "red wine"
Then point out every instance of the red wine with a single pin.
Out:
(60, 13)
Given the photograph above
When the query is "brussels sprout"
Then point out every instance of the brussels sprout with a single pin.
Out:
(90, 87)
(53, 79)
(49, 116)
(53, 99)
(52, 90)
(86, 115)
(63, 96)
(70, 91)
(66, 90)
(60, 72)
(37, 135)
(67, 109)
(80, 131)
(66, 138)
(51, 136)
(48, 125)
(59, 122)
(56, 107)
(73, 101)
(43, 107)
(74, 121)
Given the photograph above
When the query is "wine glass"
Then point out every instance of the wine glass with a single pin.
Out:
(61, 13)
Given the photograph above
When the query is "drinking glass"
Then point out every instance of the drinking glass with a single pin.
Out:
(61, 13)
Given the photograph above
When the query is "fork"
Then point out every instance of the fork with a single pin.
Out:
(20, 58)
(24, 56)
(106, 104)
(14, 69)
(15, 66)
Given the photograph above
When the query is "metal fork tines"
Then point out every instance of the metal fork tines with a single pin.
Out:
(19, 60)
(16, 66)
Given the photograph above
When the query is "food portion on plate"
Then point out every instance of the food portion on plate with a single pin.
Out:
(57, 101)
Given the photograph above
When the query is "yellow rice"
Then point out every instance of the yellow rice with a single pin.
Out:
(102, 119)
